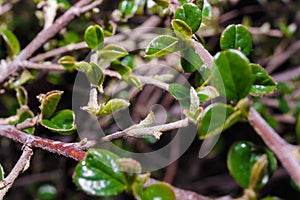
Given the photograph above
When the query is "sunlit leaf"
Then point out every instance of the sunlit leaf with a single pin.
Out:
(112, 52)
(94, 36)
(162, 45)
(49, 103)
(11, 41)
(161, 191)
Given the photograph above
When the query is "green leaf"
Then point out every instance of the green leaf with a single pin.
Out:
(112, 52)
(162, 3)
(134, 81)
(236, 37)
(99, 175)
(22, 96)
(128, 7)
(206, 93)
(190, 61)
(24, 113)
(231, 69)
(162, 45)
(217, 118)
(47, 192)
(248, 166)
(93, 72)
(94, 37)
(68, 62)
(1, 173)
(161, 191)
(181, 29)
(207, 10)
(283, 105)
(179, 92)
(262, 82)
(191, 14)
(114, 105)
(11, 42)
(120, 68)
(22, 79)
(49, 102)
(62, 122)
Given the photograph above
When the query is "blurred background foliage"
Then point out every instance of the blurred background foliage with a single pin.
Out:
(274, 25)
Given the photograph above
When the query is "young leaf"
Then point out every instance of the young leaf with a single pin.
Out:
(94, 37)
(181, 29)
(49, 102)
(206, 93)
(93, 72)
(24, 113)
(11, 42)
(162, 3)
(133, 80)
(1, 173)
(248, 167)
(62, 122)
(99, 175)
(112, 52)
(23, 78)
(161, 191)
(114, 105)
(236, 37)
(231, 69)
(217, 118)
(191, 14)
(262, 83)
(161, 45)
(22, 96)
(190, 61)
(207, 10)
(68, 62)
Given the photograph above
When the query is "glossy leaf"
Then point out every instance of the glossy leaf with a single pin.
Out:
(11, 42)
(262, 82)
(99, 175)
(243, 160)
(138, 185)
(190, 14)
(94, 36)
(181, 29)
(217, 118)
(128, 7)
(62, 122)
(161, 45)
(159, 191)
(68, 62)
(112, 52)
(134, 81)
(190, 61)
(236, 37)
(49, 103)
(47, 192)
(231, 69)
(93, 72)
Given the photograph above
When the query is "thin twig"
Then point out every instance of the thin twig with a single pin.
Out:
(45, 35)
(21, 165)
(153, 81)
(278, 145)
(7, 6)
(287, 75)
(282, 57)
(41, 66)
(204, 54)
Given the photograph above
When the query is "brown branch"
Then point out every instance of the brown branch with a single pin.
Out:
(66, 149)
(276, 144)
(20, 166)
(287, 75)
(44, 35)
